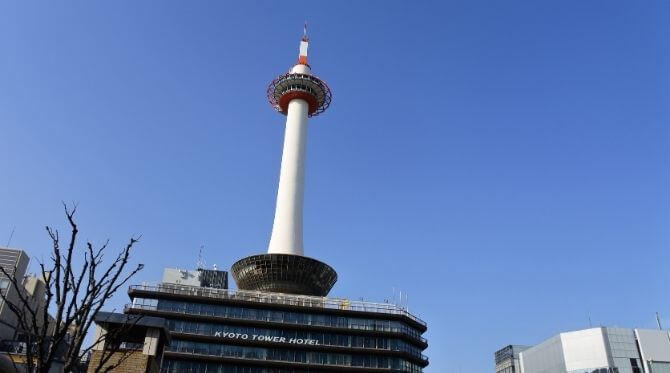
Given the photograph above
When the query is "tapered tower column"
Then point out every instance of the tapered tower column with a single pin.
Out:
(286, 235)
(299, 95)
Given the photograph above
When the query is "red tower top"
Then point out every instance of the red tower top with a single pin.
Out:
(299, 83)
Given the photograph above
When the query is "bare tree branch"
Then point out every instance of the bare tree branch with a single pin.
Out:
(75, 293)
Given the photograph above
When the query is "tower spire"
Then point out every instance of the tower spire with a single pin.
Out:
(304, 42)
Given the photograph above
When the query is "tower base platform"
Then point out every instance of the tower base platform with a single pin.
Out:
(284, 273)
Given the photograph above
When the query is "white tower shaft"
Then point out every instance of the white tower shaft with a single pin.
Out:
(284, 269)
(287, 228)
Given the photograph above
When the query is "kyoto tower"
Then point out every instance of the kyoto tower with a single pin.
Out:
(298, 95)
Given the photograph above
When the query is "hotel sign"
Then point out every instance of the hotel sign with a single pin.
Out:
(266, 338)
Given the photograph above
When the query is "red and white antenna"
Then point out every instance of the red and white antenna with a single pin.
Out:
(304, 42)
(299, 82)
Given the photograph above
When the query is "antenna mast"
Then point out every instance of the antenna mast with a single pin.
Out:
(10, 236)
(201, 262)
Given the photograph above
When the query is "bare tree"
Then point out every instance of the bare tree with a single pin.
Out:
(75, 292)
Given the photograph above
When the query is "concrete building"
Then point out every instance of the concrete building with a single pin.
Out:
(600, 350)
(129, 344)
(15, 263)
(507, 359)
(223, 330)
(33, 290)
(654, 347)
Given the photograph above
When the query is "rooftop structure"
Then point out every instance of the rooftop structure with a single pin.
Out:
(210, 278)
(286, 300)
(299, 95)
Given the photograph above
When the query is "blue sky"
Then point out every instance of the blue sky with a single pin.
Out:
(505, 164)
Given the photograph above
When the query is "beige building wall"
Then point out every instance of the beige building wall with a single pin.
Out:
(15, 263)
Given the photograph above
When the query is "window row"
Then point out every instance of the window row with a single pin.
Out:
(181, 366)
(328, 339)
(296, 356)
(286, 317)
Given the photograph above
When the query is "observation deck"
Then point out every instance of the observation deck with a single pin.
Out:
(304, 86)
(284, 273)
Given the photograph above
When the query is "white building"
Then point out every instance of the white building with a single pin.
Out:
(208, 278)
(600, 350)
(15, 263)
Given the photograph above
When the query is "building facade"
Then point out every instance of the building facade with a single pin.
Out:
(208, 278)
(227, 331)
(600, 350)
(128, 343)
(14, 262)
(507, 359)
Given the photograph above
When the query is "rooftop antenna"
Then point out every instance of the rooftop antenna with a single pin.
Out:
(304, 44)
(658, 321)
(201, 262)
(10, 237)
(590, 323)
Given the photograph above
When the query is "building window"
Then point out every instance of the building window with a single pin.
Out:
(636, 368)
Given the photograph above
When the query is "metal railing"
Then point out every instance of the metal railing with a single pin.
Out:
(331, 359)
(280, 298)
(322, 343)
(131, 346)
(410, 332)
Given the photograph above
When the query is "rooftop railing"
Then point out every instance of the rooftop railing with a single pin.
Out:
(280, 298)
(182, 309)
